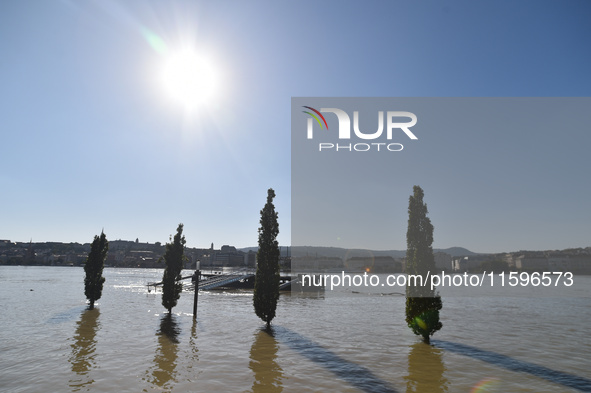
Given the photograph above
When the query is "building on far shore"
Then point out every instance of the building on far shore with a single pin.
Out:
(551, 261)
(443, 261)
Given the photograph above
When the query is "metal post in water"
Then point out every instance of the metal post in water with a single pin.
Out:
(196, 296)
(196, 277)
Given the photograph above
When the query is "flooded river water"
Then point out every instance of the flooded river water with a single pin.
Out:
(338, 341)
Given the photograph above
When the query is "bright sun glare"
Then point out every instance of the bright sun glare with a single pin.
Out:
(189, 78)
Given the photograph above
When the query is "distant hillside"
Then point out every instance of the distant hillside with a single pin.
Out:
(345, 253)
(457, 251)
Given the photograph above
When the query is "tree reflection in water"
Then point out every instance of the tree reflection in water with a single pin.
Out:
(425, 370)
(267, 373)
(164, 373)
(83, 349)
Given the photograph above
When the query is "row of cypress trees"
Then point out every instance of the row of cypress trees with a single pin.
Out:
(266, 291)
(174, 258)
(266, 287)
(422, 303)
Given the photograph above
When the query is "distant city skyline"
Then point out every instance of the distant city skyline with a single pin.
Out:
(104, 126)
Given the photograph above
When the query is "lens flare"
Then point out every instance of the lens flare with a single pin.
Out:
(155, 41)
(486, 385)
(421, 323)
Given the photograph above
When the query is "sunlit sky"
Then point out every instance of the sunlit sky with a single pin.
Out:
(92, 138)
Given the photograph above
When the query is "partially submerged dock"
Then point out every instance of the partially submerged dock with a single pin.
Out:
(230, 281)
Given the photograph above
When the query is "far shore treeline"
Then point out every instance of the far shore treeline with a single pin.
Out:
(136, 254)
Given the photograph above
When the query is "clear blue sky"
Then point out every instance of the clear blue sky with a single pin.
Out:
(90, 140)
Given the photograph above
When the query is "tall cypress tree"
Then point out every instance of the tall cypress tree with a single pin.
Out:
(94, 280)
(422, 303)
(174, 257)
(266, 284)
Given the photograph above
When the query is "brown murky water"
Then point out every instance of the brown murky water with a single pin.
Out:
(338, 342)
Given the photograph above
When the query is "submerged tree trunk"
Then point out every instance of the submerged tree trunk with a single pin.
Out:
(174, 258)
(266, 282)
(422, 303)
(95, 262)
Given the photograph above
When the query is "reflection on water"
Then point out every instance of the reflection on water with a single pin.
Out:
(83, 349)
(164, 372)
(267, 373)
(425, 370)
(193, 357)
(354, 374)
(569, 380)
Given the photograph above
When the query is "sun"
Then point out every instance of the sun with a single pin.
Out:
(189, 78)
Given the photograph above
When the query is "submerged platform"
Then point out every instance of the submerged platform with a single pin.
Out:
(233, 281)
